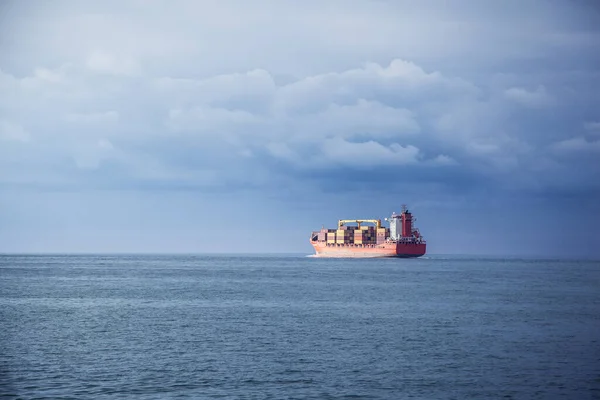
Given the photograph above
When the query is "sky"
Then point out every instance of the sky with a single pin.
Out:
(238, 126)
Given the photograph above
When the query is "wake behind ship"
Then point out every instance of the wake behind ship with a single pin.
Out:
(401, 239)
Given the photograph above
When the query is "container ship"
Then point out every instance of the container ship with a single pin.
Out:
(401, 239)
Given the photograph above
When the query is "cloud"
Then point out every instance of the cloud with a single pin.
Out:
(90, 157)
(152, 98)
(530, 98)
(224, 90)
(374, 116)
(443, 159)
(93, 117)
(368, 153)
(364, 118)
(401, 81)
(105, 63)
(593, 127)
(294, 133)
(13, 132)
(210, 120)
(47, 75)
(282, 151)
(577, 145)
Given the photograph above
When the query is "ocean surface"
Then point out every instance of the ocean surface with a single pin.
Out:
(295, 327)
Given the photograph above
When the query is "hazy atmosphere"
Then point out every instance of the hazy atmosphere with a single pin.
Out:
(238, 126)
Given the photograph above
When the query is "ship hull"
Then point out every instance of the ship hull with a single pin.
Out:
(387, 249)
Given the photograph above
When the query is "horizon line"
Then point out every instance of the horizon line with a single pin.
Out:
(291, 253)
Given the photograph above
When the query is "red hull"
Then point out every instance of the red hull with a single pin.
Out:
(387, 249)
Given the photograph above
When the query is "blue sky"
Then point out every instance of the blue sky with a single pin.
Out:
(200, 126)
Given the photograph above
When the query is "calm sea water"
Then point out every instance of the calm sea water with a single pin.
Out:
(282, 327)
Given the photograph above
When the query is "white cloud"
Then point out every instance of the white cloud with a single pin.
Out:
(94, 117)
(530, 98)
(397, 113)
(369, 153)
(48, 75)
(13, 132)
(207, 38)
(593, 127)
(369, 118)
(105, 63)
(211, 121)
(576, 145)
(282, 151)
(443, 159)
(365, 112)
(407, 72)
(296, 119)
(402, 80)
(90, 155)
(246, 153)
(254, 85)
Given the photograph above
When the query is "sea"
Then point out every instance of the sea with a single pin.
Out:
(297, 327)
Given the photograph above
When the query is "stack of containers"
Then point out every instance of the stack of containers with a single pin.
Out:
(382, 233)
(366, 235)
(345, 235)
(331, 237)
(324, 234)
(359, 236)
(371, 235)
